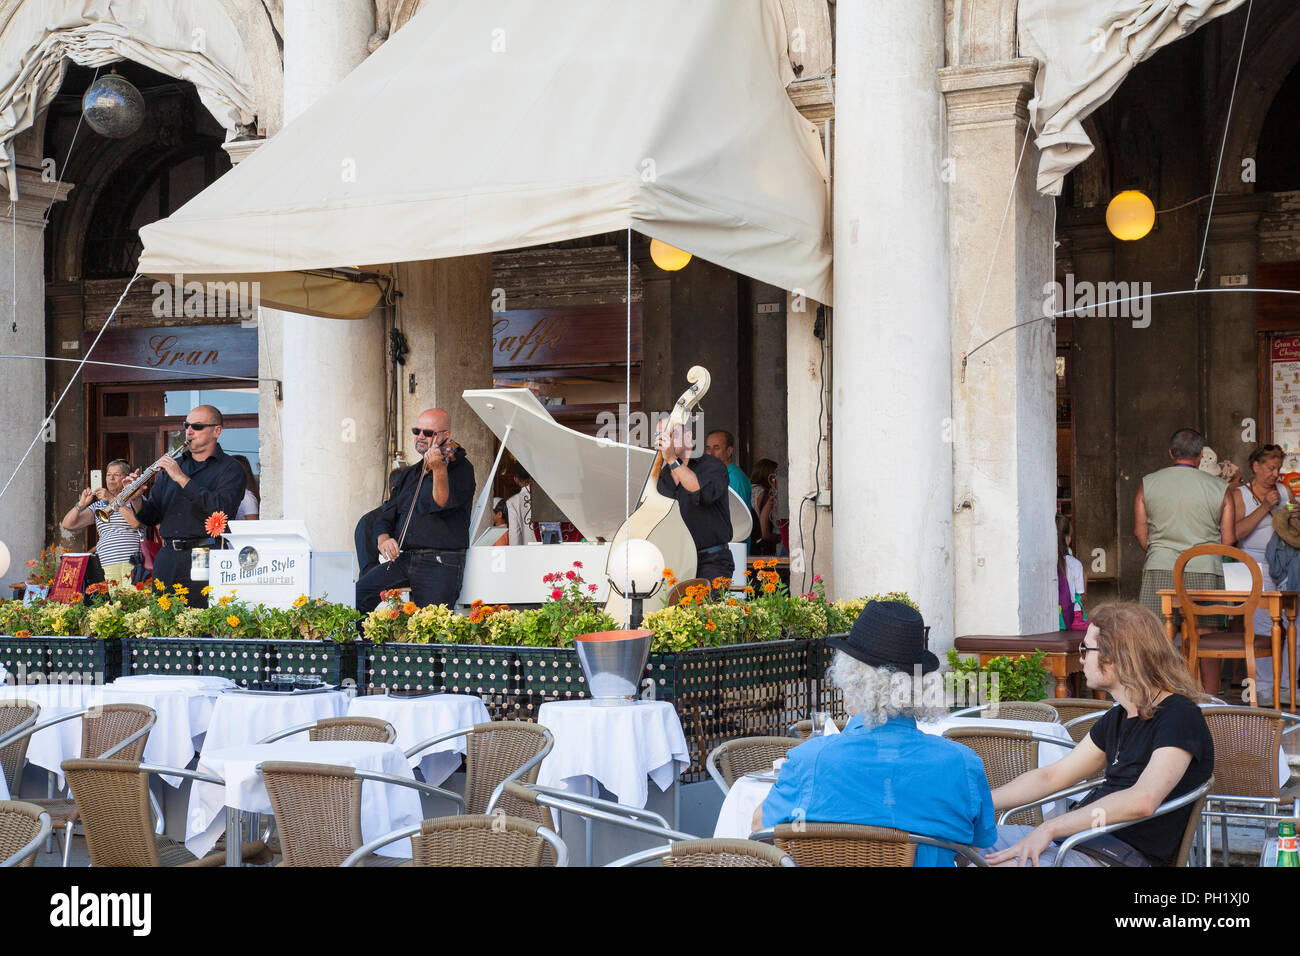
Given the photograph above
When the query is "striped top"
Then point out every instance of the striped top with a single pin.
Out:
(118, 541)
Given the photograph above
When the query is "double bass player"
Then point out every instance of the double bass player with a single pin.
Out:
(699, 486)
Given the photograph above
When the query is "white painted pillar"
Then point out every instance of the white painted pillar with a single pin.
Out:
(891, 385)
(332, 415)
(22, 383)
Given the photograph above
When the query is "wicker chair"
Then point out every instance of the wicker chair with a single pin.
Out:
(733, 759)
(1196, 799)
(113, 799)
(495, 752)
(1247, 741)
(851, 844)
(1035, 710)
(1078, 713)
(476, 840)
(120, 731)
(318, 810)
(15, 716)
(803, 728)
(518, 800)
(23, 828)
(739, 853)
(363, 729)
(679, 590)
(1007, 753)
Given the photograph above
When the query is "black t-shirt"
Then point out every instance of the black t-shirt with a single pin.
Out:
(1129, 743)
(216, 484)
(706, 512)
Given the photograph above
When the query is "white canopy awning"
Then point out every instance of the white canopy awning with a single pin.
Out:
(1085, 49)
(497, 124)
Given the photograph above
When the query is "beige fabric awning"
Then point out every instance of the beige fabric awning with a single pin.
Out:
(497, 124)
(1085, 49)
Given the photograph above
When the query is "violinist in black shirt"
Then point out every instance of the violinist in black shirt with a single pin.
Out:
(186, 493)
(423, 530)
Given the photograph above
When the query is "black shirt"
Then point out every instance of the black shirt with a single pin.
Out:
(706, 512)
(1129, 743)
(216, 484)
(445, 528)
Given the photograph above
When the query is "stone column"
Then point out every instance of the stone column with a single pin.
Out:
(331, 419)
(891, 390)
(1003, 412)
(23, 401)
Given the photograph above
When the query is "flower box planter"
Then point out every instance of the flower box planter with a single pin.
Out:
(719, 692)
(90, 659)
(243, 661)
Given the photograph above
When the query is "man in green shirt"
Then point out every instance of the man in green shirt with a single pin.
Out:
(722, 446)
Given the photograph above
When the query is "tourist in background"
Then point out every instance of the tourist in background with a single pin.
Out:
(119, 537)
(1253, 505)
(248, 508)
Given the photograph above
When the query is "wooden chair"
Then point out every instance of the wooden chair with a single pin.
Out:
(16, 715)
(113, 801)
(1072, 709)
(485, 839)
(23, 828)
(733, 759)
(495, 752)
(1007, 753)
(851, 844)
(364, 729)
(318, 810)
(1228, 645)
(1247, 745)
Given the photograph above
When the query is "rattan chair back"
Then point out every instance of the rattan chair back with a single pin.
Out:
(365, 729)
(519, 801)
(1246, 744)
(1069, 708)
(735, 758)
(113, 801)
(1035, 710)
(803, 728)
(317, 811)
(679, 590)
(20, 824)
(1193, 824)
(494, 750)
(723, 853)
(1007, 753)
(477, 840)
(844, 844)
(14, 713)
(108, 725)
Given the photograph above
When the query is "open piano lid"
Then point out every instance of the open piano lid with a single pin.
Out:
(584, 476)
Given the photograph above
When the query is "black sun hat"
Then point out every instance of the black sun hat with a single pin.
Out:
(888, 634)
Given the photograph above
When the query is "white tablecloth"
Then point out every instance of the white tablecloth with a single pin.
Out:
(619, 746)
(384, 807)
(239, 719)
(202, 693)
(171, 741)
(418, 718)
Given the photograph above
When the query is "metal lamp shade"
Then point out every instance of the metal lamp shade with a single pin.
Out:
(613, 662)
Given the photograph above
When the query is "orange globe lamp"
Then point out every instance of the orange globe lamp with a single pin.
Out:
(668, 258)
(1130, 215)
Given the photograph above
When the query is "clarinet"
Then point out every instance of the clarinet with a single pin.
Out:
(122, 497)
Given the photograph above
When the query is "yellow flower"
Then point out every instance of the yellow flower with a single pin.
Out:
(302, 600)
(180, 588)
(158, 585)
(232, 621)
(164, 602)
(226, 599)
(207, 589)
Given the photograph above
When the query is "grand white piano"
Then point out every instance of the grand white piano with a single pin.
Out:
(592, 482)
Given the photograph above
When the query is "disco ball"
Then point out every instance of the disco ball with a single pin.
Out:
(113, 107)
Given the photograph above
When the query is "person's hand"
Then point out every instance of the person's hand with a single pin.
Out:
(388, 547)
(87, 496)
(1271, 497)
(171, 467)
(101, 494)
(1023, 853)
(670, 441)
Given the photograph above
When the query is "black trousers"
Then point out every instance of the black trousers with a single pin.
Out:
(364, 538)
(432, 578)
(715, 565)
(173, 567)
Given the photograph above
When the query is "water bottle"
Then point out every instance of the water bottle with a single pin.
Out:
(1288, 853)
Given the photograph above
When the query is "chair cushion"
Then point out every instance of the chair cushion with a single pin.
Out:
(1230, 642)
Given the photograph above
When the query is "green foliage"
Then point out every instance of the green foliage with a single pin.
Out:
(1001, 678)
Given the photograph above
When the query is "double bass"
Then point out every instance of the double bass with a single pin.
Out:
(657, 518)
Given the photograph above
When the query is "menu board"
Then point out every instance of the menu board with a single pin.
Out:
(1284, 378)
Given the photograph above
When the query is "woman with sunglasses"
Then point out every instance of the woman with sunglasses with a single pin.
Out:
(1253, 505)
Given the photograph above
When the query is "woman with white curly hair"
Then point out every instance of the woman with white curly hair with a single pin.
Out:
(881, 770)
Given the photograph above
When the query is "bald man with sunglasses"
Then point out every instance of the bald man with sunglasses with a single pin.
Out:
(422, 531)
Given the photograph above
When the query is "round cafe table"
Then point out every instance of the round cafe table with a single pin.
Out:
(240, 718)
(417, 719)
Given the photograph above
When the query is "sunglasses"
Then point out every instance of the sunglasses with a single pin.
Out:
(429, 433)
(199, 426)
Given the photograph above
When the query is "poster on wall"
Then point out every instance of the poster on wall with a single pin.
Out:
(1284, 388)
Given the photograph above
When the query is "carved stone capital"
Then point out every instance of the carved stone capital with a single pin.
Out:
(35, 194)
(813, 97)
(993, 94)
(1236, 218)
(241, 149)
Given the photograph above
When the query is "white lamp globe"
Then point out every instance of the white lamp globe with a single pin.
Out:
(4, 559)
(636, 567)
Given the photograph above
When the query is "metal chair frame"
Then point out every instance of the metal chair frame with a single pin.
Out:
(557, 845)
(515, 776)
(711, 763)
(33, 845)
(768, 835)
(659, 852)
(16, 732)
(310, 725)
(980, 708)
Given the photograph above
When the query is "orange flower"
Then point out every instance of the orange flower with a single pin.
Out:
(668, 572)
(409, 607)
(394, 614)
(99, 587)
(732, 602)
(23, 634)
(76, 598)
(711, 626)
(31, 563)
(769, 588)
(749, 591)
(720, 582)
(216, 524)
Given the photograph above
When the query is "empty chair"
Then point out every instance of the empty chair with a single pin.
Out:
(495, 752)
(1078, 713)
(1036, 710)
(113, 801)
(803, 728)
(851, 844)
(483, 839)
(23, 827)
(732, 759)
(318, 810)
(364, 729)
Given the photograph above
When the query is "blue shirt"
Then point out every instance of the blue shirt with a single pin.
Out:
(890, 776)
